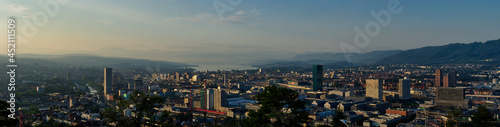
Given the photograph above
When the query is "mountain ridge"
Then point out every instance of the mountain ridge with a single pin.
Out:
(476, 52)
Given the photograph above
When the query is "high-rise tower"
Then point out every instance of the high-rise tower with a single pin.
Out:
(439, 77)
(317, 77)
(404, 88)
(374, 88)
(108, 80)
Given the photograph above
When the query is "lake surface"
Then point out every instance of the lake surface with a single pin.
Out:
(227, 67)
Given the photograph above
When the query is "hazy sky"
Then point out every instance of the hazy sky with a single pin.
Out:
(194, 32)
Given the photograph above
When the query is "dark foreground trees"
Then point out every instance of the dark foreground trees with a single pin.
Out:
(336, 122)
(4, 119)
(280, 107)
(143, 110)
(482, 117)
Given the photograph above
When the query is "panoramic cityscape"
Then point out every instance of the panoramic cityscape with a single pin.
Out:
(242, 63)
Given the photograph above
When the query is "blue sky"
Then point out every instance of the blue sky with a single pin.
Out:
(193, 32)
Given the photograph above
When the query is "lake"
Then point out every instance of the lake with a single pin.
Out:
(227, 67)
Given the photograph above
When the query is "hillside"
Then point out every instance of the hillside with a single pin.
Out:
(357, 58)
(91, 61)
(476, 52)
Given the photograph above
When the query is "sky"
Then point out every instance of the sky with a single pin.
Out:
(243, 31)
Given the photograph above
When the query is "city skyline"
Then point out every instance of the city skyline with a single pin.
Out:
(194, 32)
(242, 63)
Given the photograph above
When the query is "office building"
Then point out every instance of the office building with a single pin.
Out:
(40, 89)
(446, 81)
(452, 79)
(138, 84)
(203, 98)
(177, 76)
(404, 88)
(131, 86)
(194, 78)
(438, 82)
(317, 77)
(108, 80)
(220, 99)
(451, 97)
(374, 89)
(210, 99)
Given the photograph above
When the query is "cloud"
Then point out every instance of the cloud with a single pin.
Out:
(105, 22)
(17, 10)
(238, 17)
(255, 11)
(196, 18)
(241, 12)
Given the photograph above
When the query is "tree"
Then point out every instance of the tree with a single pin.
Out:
(336, 119)
(482, 117)
(4, 115)
(144, 108)
(453, 116)
(280, 106)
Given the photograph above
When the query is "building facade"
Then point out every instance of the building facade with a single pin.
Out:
(317, 77)
(374, 89)
(404, 88)
(438, 82)
(108, 80)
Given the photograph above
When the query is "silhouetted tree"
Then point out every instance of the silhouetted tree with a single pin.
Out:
(144, 107)
(336, 119)
(280, 107)
(4, 119)
(482, 117)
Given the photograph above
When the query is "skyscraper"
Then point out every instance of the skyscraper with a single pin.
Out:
(446, 81)
(317, 77)
(438, 78)
(131, 86)
(177, 76)
(220, 99)
(203, 98)
(138, 84)
(404, 88)
(374, 88)
(452, 79)
(210, 99)
(108, 80)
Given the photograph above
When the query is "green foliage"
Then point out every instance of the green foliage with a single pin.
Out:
(482, 117)
(52, 123)
(280, 107)
(336, 119)
(144, 108)
(185, 117)
(63, 89)
(4, 120)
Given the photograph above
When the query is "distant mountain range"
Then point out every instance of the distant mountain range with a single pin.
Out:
(333, 59)
(356, 58)
(92, 61)
(476, 52)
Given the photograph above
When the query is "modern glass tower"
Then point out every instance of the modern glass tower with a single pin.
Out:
(108, 80)
(317, 77)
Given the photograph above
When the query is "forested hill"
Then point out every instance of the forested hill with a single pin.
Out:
(476, 52)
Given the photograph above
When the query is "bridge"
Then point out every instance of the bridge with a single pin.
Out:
(486, 96)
